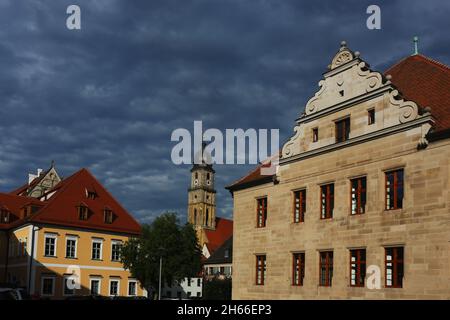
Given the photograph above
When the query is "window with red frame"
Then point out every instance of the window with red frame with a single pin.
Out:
(299, 206)
(358, 195)
(342, 130)
(327, 201)
(260, 269)
(326, 268)
(298, 268)
(394, 267)
(261, 212)
(357, 267)
(394, 189)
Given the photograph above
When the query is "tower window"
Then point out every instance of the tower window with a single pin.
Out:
(371, 116)
(207, 217)
(342, 130)
(4, 216)
(208, 176)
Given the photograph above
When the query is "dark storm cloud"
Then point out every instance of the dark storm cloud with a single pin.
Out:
(107, 97)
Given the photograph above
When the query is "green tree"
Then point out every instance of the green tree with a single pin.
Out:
(165, 237)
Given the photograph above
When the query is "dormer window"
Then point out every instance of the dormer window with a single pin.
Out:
(91, 194)
(108, 216)
(83, 212)
(5, 216)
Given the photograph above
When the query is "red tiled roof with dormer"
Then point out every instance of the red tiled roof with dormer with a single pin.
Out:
(60, 206)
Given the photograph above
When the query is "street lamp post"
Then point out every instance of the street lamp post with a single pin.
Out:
(161, 250)
(160, 271)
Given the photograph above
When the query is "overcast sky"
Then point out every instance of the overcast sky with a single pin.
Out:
(107, 97)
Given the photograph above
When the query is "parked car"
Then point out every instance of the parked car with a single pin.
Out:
(8, 293)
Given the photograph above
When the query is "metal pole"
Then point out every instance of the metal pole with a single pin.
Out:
(160, 270)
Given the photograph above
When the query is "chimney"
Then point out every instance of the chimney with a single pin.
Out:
(32, 176)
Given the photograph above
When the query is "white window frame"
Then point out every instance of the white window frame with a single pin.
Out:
(51, 236)
(101, 248)
(135, 288)
(118, 288)
(115, 242)
(64, 287)
(99, 285)
(53, 286)
(75, 238)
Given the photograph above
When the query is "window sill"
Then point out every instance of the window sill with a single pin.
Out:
(96, 259)
(45, 256)
(72, 258)
(388, 211)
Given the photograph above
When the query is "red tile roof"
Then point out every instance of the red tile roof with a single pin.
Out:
(14, 204)
(426, 82)
(223, 231)
(61, 207)
(418, 78)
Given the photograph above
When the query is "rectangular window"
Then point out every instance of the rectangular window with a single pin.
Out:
(132, 288)
(394, 189)
(116, 247)
(260, 269)
(97, 249)
(394, 267)
(48, 286)
(357, 267)
(83, 212)
(261, 212)
(327, 201)
(50, 245)
(371, 116)
(326, 268)
(299, 206)
(67, 284)
(71, 247)
(315, 134)
(342, 130)
(358, 195)
(114, 287)
(298, 268)
(108, 216)
(95, 287)
(199, 282)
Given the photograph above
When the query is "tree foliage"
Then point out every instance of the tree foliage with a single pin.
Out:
(165, 237)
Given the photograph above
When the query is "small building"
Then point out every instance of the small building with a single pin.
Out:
(219, 264)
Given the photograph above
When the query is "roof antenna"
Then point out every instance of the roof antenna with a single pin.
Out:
(416, 45)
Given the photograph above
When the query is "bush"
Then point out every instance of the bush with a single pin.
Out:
(217, 289)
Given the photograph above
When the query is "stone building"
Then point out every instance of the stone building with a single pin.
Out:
(360, 204)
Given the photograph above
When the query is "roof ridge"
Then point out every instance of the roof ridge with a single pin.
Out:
(421, 56)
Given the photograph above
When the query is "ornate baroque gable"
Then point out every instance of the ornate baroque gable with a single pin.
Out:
(350, 83)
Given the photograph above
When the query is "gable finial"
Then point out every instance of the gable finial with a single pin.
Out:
(416, 45)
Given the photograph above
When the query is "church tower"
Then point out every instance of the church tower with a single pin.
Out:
(202, 199)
